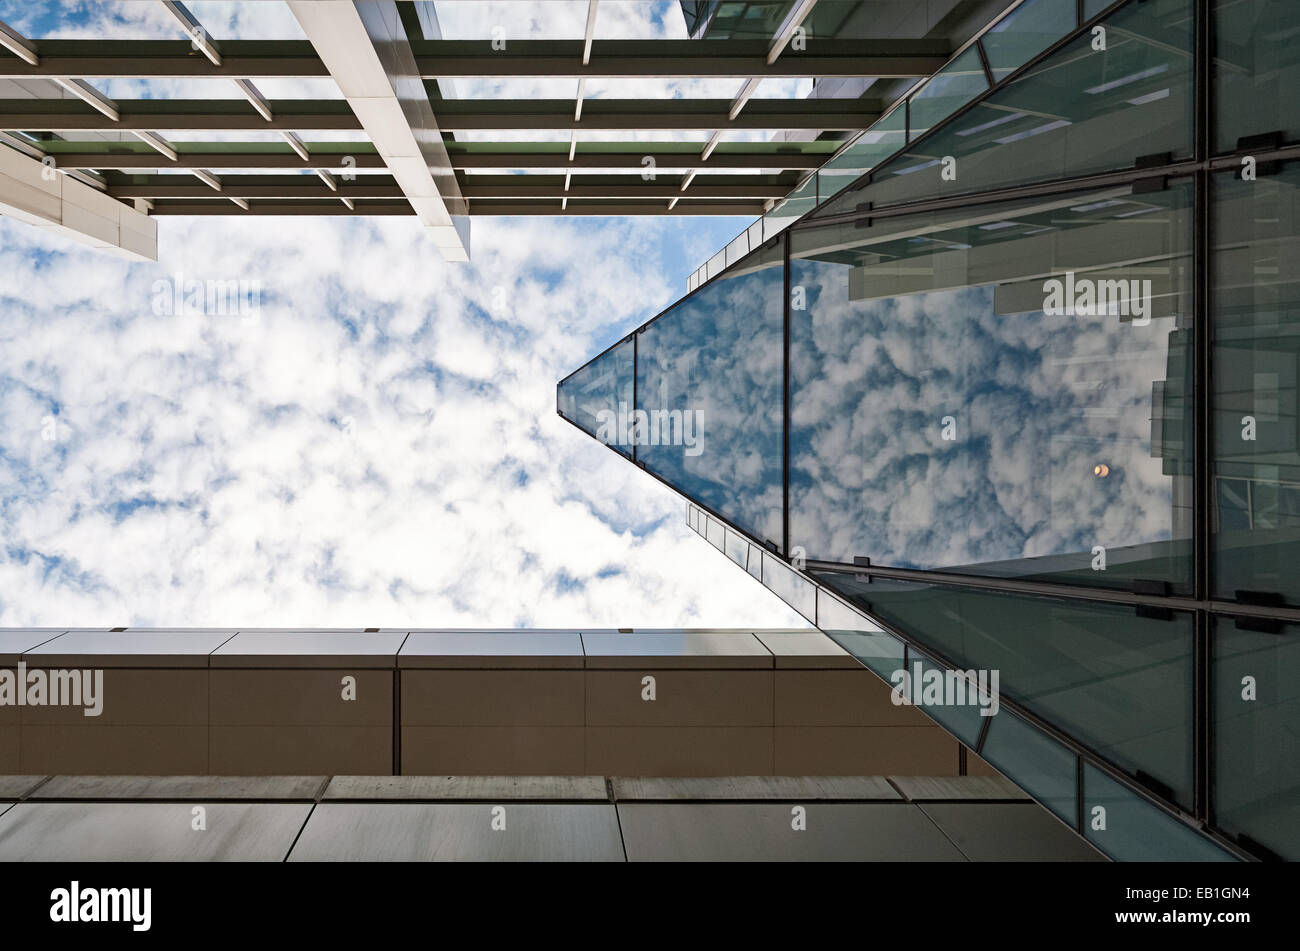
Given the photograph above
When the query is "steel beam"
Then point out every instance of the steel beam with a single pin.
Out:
(365, 46)
(363, 161)
(472, 59)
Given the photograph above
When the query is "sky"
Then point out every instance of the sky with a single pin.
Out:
(372, 443)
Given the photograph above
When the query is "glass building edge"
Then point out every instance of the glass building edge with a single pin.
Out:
(1215, 841)
(701, 275)
(1208, 609)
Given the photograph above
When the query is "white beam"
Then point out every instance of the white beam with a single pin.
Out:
(255, 98)
(18, 44)
(207, 178)
(157, 142)
(198, 35)
(295, 143)
(798, 13)
(591, 31)
(363, 45)
(90, 96)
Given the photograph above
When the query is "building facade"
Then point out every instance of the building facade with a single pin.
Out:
(1018, 393)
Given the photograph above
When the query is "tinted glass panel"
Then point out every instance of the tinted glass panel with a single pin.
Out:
(709, 395)
(876, 144)
(951, 88)
(1256, 372)
(1257, 69)
(948, 413)
(1040, 766)
(1084, 109)
(1136, 831)
(1257, 734)
(1120, 683)
(1027, 31)
(598, 397)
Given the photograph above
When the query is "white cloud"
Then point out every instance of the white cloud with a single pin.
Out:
(379, 447)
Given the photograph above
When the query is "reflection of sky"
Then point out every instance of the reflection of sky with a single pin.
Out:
(720, 354)
(1037, 402)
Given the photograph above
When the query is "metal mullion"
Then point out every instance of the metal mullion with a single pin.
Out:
(785, 404)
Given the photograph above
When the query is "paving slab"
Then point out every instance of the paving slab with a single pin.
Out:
(1009, 832)
(447, 832)
(148, 832)
(764, 832)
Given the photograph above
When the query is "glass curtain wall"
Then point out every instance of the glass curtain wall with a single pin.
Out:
(1042, 414)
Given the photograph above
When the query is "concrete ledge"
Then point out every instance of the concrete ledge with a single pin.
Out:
(467, 788)
(753, 788)
(164, 788)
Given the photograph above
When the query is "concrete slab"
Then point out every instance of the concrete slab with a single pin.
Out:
(182, 787)
(959, 788)
(763, 832)
(359, 832)
(795, 788)
(148, 832)
(805, 650)
(665, 649)
(14, 643)
(1009, 832)
(467, 788)
(15, 787)
(309, 649)
(492, 650)
(127, 649)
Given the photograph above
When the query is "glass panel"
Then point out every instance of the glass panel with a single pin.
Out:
(715, 532)
(1256, 69)
(790, 586)
(800, 201)
(879, 142)
(1092, 7)
(951, 88)
(754, 565)
(1257, 734)
(709, 395)
(1039, 765)
(736, 548)
(1256, 350)
(1025, 32)
(1120, 683)
(598, 397)
(1082, 110)
(1135, 830)
(834, 615)
(880, 652)
(946, 412)
(963, 720)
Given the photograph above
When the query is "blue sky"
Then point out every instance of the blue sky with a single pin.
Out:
(375, 444)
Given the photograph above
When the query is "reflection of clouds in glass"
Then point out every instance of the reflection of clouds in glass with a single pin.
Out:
(1033, 404)
(719, 354)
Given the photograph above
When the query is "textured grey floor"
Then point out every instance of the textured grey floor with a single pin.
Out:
(526, 818)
